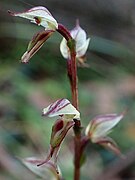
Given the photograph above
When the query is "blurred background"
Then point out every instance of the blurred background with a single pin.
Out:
(107, 86)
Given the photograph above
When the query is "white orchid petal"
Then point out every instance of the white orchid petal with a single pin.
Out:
(61, 107)
(79, 35)
(82, 50)
(64, 49)
(45, 18)
(106, 124)
(101, 125)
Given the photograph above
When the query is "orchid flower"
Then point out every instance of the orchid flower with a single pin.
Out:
(66, 113)
(47, 171)
(40, 16)
(82, 43)
(98, 129)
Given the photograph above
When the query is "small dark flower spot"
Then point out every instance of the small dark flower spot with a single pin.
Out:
(37, 20)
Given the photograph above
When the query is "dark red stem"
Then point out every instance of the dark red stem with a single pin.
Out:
(64, 32)
(72, 74)
(71, 64)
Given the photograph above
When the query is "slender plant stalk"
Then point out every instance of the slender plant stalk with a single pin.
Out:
(74, 84)
(72, 74)
(77, 138)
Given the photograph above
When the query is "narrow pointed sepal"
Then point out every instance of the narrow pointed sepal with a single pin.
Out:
(109, 144)
(35, 44)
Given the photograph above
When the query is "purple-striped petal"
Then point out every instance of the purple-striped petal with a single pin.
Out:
(40, 16)
(61, 107)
